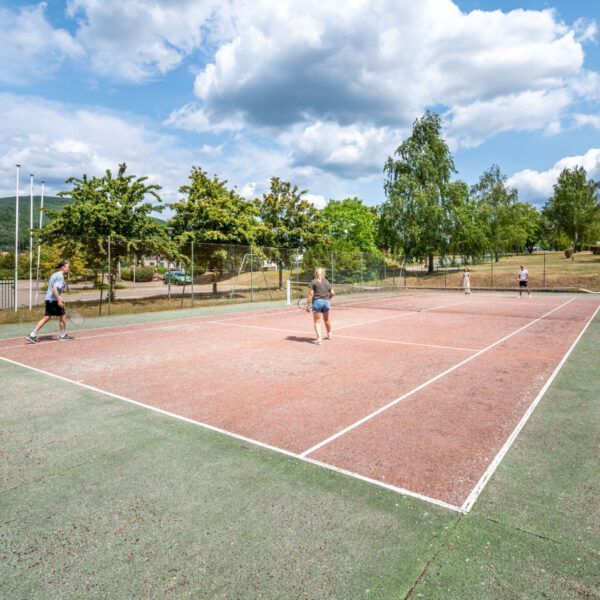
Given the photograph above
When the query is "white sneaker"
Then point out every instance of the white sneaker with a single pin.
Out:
(329, 335)
(318, 341)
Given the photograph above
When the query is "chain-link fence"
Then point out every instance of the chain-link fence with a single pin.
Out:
(547, 271)
(115, 275)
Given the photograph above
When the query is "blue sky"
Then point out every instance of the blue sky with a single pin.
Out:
(316, 93)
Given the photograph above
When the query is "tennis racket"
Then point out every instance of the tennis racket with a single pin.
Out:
(303, 303)
(74, 316)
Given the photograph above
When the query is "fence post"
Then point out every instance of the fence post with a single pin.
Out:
(491, 270)
(288, 292)
(251, 276)
(544, 276)
(332, 267)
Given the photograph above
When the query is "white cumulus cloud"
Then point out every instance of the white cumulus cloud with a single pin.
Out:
(537, 186)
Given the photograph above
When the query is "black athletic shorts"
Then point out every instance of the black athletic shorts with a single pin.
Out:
(53, 309)
(522, 284)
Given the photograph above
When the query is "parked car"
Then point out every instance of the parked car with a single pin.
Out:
(177, 277)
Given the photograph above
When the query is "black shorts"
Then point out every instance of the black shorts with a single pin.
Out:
(522, 284)
(53, 309)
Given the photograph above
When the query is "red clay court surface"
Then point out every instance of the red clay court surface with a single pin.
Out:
(423, 398)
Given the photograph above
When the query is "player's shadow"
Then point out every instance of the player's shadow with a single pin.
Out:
(296, 338)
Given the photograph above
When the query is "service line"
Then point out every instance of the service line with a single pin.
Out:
(427, 383)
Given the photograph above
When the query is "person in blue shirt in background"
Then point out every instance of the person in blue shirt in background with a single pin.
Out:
(55, 307)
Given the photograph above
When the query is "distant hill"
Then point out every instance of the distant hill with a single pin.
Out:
(7, 218)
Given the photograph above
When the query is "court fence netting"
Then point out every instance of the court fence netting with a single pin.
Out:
(113, 275)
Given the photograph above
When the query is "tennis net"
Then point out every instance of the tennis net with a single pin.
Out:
(364, 296)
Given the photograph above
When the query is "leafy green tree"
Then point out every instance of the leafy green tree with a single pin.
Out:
(414, 216)
(574, 208)
(468, 227)
(211, 213)
(510, 223)
(115, 207)
(528, 221)
(350, 224)
(288, 221)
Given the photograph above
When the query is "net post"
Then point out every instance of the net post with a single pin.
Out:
(288, 292)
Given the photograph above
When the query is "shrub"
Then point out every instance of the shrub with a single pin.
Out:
(595, 250)
(568, 252)
(141, 274)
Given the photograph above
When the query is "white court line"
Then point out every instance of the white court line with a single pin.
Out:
(406, 313)
(175, 324)
(261, 312)
(346, 337)
(143, 329)
(427, 383)
(237, 436)
(476, 491)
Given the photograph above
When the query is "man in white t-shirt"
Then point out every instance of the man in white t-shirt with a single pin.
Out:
(55, 307)
(523, 281)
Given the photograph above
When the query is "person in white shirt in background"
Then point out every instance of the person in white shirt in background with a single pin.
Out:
(466, 281)
(523, 281)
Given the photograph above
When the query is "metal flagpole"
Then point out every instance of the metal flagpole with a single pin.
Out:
(30, 239)
(39, 248)
(17, 240)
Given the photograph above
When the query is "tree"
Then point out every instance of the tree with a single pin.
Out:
(288, 220)
(510, 223)
(468, 228)
(350, 224)
(213, 213)
(574, 208)
(414, 215)
(529, 221)
(114, 207)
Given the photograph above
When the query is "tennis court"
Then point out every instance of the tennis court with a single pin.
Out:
(422, 393)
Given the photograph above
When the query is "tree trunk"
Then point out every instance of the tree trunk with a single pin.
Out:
(280, 269)
(574, 248)
(430, 266)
